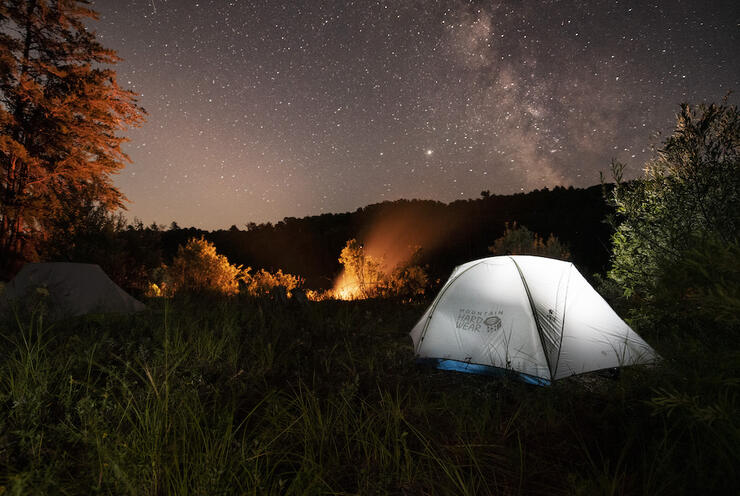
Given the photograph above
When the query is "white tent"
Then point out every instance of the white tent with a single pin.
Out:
(73, 289)
(532, 315)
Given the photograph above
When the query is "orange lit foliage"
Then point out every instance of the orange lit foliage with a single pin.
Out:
(60, 112)
(262, 283)
(364, 276)
(408, 281)
(197, 267)
(518, 240)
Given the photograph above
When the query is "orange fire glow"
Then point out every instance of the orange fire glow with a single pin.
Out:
(391, 239)
(345, 288)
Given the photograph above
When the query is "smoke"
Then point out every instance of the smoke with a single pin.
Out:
(394, 234)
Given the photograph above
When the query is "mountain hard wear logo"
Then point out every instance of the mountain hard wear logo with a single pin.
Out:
(478, 321)
(493, 323)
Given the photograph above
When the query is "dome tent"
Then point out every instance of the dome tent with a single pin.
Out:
(537, 317)
(73, 289)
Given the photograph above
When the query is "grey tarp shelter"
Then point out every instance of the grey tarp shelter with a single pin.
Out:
(73, 289)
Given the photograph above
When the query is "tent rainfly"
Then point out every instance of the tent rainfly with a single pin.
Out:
(537, 317)
(73, 289)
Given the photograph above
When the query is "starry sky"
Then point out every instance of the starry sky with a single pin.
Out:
(258, 110)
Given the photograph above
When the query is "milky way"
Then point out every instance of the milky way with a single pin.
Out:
(261, 110)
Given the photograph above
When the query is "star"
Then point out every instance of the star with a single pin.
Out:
(282, 92)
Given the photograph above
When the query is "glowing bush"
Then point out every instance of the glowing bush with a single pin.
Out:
(364, 276)
(197, 267)
(408, 281)
(262, 283)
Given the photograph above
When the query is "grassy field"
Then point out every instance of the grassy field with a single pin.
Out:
(243, 396)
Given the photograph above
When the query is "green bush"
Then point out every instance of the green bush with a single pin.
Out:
(518, 240)
(680, 219)
(703, 285)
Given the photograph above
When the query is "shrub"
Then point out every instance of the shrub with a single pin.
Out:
(518, 240)
(703, 285)
(197, 267)
(408, 281)
(262, 283)
(679, 223)
(365, 276)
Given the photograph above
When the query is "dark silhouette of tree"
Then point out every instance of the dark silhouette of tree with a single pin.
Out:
(308, 247)
(60, 110)
(518, 240)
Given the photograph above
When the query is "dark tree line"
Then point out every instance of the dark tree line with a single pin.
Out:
(309, 247)
(460, 231)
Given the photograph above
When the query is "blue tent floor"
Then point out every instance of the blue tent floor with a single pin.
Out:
(476, 368)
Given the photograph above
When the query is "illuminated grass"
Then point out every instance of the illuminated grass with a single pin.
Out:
(243, 396)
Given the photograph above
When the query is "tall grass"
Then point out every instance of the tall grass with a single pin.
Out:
(244, 396)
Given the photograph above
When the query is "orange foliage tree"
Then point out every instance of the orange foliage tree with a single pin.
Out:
(60, 110)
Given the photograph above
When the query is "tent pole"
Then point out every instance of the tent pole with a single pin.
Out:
(534, 316)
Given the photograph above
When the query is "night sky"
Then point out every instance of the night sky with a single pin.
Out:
(260, 110)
